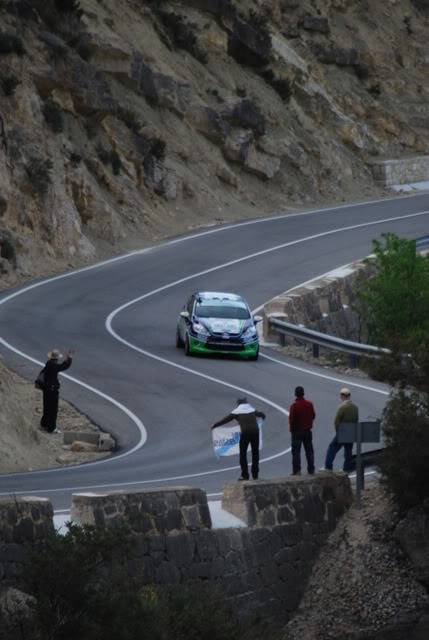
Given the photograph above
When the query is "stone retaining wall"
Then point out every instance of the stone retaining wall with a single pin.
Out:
(324, 304)
(402, 171)
(22, 521)
(264, 567)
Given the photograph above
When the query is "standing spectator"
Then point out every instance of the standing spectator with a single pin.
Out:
(51, 389)
(301, 416)
(346, 412)
(246, 416)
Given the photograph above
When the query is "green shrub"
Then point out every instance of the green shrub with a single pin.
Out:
(10, 43)
(53, 116)
(405, 460)
(394, 304)
(110, 157)
(9, 84)
(7, 249)
(82, 590)
(130, 119)
(39, 174)
(281, 85)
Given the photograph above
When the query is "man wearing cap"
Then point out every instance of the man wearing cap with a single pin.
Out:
(301, 417)
(51, 389)
(346, 412)
(246, 416)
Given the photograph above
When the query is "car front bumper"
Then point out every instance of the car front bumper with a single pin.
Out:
(246, 349)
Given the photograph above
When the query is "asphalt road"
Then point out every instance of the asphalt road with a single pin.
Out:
(129, 378)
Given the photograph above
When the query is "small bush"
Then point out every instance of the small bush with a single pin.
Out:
(39, 174)
(9, 43)
(281, 85)
(75, 159)
(82, 590)
(130, 119)
(69, 6)
(158, 148)
(9, 84)
(53, 116)
(405, 460)
(259, 20)
(182, 33)
(110, 157)
(116, 163)
(7, 249)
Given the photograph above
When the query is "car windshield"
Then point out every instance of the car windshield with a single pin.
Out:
(222, 311)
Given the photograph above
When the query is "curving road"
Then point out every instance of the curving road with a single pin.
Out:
(128, 376)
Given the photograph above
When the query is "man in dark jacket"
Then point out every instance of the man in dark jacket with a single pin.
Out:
(51, 389)
(301, 416)
(246, 416)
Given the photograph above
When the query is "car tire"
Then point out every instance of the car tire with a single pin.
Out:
(188, 351)
(255, 357)
(179, 341)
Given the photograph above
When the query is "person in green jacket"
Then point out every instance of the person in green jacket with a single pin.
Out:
(346, 412)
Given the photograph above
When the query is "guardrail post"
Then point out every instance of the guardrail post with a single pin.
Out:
(282, 340)
(315, 350)
(354, 361)
(359, 466)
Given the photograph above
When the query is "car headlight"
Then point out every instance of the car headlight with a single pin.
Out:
(249, 333)
(200, 329)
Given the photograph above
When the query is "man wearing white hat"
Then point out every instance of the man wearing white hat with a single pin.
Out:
(346, 412)
(51, 388)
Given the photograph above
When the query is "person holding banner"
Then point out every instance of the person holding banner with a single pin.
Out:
(246, 416)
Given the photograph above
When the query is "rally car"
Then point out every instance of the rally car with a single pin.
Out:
(214, 322)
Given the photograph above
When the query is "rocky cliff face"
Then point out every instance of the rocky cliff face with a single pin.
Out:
(124, 121)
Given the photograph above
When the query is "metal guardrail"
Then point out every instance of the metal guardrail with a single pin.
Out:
(367, 459)
(318, 339)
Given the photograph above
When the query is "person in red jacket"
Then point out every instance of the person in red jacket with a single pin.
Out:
(301, 417)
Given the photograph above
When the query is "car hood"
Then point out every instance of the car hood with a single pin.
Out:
(223, 325)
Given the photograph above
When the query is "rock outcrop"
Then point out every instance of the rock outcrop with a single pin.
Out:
(128, 121)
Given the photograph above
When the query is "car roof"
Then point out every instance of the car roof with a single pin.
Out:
(218, 296)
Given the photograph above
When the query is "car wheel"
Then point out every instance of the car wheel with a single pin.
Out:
(188, 351)
(179, 341)
(255, 357)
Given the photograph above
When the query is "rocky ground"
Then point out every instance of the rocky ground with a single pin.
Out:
(329, 360)
(363, 587)
(23, 445)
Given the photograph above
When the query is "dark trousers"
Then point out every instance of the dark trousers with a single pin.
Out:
(332, 451)
(252, 439)
(50, 410)
(302, 438)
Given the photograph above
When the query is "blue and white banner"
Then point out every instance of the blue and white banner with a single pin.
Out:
(226, 440)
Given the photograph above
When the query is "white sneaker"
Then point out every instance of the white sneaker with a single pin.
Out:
(57, 430)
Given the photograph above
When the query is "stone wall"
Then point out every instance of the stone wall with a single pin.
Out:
(149, 512)
(264, 566)
(403, 171)
(22, 521)
(324, 304)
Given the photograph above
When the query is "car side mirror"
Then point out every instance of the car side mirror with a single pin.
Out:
(184, 314)
(257, 319)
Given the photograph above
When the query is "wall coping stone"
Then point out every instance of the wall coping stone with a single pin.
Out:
(151, 511)
(279, 501)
